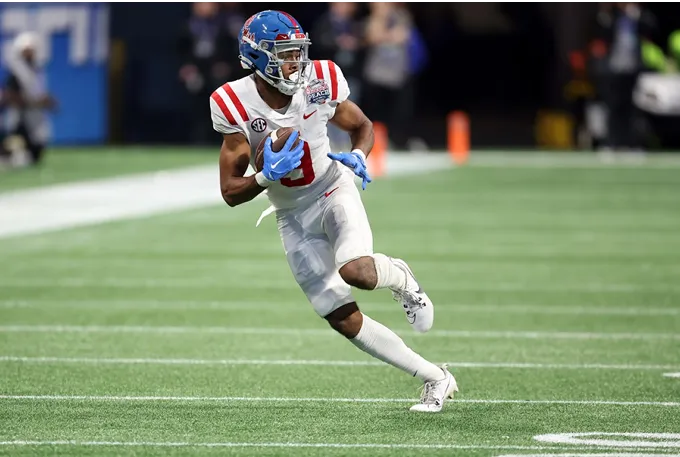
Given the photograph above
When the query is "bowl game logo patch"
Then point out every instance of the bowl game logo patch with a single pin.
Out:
(317, 92)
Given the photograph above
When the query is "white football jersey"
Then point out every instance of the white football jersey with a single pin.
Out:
(236, 107)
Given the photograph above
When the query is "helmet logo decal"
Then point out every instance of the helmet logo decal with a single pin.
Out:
(246, 29)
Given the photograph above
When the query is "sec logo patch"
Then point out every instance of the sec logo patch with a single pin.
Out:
(258, 125)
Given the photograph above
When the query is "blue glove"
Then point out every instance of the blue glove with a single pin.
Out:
(355, 162)
(279, 164)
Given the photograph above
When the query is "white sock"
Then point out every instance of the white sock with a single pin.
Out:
(388, 274)
(383, 344)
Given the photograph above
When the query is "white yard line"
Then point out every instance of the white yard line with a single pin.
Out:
(570, 159)
(539, 335)
(288, 445)
(268, 305)
(98, 201)
(93, 202)
(143, 398)
(342, 363)
(203, 282)
(649, 440)
(626, 453)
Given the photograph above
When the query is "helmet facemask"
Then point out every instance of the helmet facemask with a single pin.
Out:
(289, 51)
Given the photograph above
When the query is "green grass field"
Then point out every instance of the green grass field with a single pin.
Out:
(557, 299)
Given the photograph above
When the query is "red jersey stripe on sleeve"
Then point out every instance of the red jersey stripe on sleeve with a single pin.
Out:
(223, 106)
(237, 103)
(318, 69)
(334, 80)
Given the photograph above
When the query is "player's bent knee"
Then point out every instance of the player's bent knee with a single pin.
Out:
(360, 273)
(346, 320)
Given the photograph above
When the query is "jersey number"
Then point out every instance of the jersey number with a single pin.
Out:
(306, 168)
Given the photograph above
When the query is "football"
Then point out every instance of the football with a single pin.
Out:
(279, 138)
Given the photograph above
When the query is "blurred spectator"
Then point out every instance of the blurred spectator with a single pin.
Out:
(232, 20)
(337, 36)
(616, 48)
(4, 154)
(674, 51)
(26, 99)
(208, 48)
(394, 54)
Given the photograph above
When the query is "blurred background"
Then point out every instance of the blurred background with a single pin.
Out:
(564, 76)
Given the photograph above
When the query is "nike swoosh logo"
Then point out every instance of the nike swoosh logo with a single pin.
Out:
(328, 194)
(275, 164)
(307, 116)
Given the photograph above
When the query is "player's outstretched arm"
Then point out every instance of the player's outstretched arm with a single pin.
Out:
(234, 159)
(350, 118)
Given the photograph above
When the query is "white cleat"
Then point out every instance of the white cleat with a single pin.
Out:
(435, 392)
(417, 305)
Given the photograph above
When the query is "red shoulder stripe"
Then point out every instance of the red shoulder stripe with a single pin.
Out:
(223, 106)
(236, 102)
(334, 80)
(318, 69)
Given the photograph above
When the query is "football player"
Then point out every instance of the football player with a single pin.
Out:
(325, 232)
